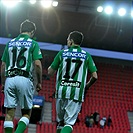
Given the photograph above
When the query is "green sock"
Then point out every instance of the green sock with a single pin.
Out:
(8, 130)
(58, 130)
(66, 129)
(21, 127)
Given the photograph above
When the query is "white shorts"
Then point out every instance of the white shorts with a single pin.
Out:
(18, 91)
(67, 110)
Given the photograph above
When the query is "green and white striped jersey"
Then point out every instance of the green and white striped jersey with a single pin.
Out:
(72, 65)
(20, 53)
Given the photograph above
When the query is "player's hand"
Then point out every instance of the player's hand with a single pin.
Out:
(38, 87)
(2, 88)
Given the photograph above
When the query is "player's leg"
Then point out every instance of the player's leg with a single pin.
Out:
(10, 102)
(60, 114)
(25, 95)
(8, 123)
(67, 129)
(24, 121)
(72, 110)
(60, 126)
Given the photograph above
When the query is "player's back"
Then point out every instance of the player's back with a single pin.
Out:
(72, 73)
(19, 54)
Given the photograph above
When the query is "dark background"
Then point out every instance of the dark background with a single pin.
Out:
(53, 25)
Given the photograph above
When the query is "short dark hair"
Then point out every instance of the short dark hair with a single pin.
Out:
(27, 26)
(77, 37)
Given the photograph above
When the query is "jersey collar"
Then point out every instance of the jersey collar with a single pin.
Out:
(75, 46)
(24, 35)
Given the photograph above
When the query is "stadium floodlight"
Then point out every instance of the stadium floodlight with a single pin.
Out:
(46, 3)
(32, 1)
(108, 10)
(10, 3)
(55, 3)
(99, 8)
(122, 11)
(132, 13)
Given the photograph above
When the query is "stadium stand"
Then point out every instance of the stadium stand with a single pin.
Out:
(112, 94)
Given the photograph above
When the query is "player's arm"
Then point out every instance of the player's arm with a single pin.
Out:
(38, 70)
(93, 71)
(3, 66)
(51, 71)
(3, 77)
(92, 80)
(55, 64)
(37, 55)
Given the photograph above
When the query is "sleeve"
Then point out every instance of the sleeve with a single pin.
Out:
(36, 52)
(4, 56)
(91, 65)
(55, 64)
